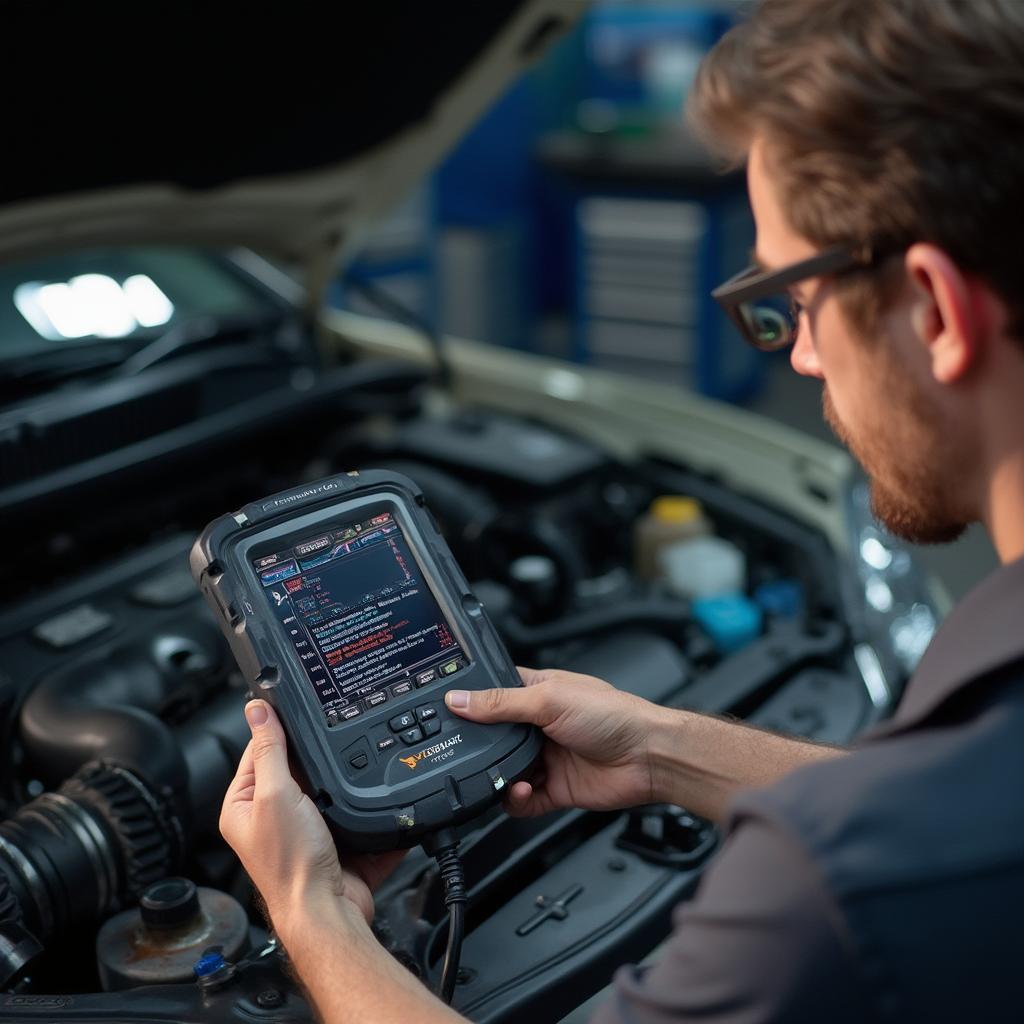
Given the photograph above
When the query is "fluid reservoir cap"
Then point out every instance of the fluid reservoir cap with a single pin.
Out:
(533, 569)
(783, 598)
(732, 620)
(208, 964)
(675, 508)
(169, 903)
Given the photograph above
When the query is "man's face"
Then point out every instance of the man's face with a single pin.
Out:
(879, 395)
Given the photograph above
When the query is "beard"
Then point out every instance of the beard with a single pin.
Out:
(904, 471)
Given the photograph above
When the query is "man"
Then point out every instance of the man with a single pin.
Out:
(883, 141)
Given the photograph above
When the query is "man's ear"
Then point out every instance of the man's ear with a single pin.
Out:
(947, 316)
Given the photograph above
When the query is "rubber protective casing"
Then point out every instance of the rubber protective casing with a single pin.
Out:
(387, 803)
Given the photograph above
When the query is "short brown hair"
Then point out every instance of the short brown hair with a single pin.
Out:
(886, 122)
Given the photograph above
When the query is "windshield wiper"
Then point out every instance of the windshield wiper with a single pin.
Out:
(200, 330)
(31, 374)
(115, 359)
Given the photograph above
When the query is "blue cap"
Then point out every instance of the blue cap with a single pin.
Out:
(731, 620)
(208, 964)
(782, 598)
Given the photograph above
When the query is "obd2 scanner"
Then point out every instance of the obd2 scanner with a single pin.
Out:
(347, 612)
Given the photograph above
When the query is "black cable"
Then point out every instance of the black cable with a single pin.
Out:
(453, 951)
(444, 848)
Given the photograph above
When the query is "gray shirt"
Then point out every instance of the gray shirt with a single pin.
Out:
(886, 885)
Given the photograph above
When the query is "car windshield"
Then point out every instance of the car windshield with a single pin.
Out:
(126, 295)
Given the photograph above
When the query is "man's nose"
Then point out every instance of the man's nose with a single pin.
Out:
(802, 356)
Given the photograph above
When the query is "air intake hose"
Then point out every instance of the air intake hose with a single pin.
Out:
(73, 857)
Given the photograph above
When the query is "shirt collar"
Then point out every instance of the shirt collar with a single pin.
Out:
(984, 632)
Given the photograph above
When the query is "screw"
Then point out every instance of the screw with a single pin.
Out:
(269, 999)
(464, 975)
(616, 864)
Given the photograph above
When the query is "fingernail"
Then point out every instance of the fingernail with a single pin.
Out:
(457, 698)
(255, 713)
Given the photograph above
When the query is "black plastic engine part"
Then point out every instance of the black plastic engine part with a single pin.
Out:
(749, 676)
(502, 450)
(636, 661)
(159, 942)
(665, 834)
(107, 705)
(510, 538)
(463, 512)
(665, 616)
(117, 704)
(169, 904)
(559, 938)
(818, 703)
(487, 540)
(75, 856)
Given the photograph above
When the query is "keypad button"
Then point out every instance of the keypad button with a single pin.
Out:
(426, 677)
(385, 744)
(376, 698)
(432, 726)
(450, 666)
(401, 688)
(359, 761)
(403, 721)
(413, 735)
(425, 712)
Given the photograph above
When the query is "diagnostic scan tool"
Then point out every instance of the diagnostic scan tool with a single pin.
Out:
(347, 613)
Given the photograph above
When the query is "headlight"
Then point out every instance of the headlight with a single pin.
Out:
(895, 607)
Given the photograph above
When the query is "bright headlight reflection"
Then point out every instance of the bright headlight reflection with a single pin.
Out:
(911, 633)
(563, 384)
(878, 594)
(92, 305)
(875, 553)
(148, 304)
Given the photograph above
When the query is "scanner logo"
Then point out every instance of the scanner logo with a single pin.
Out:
(309, 492)
(430, 752)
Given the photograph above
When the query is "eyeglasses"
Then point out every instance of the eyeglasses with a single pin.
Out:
(757, 301)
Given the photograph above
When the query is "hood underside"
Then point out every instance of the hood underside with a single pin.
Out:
(287, 131)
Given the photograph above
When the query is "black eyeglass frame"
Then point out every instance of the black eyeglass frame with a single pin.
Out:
(757, 283)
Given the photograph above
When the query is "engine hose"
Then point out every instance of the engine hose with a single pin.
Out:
(72, 857)
(667, 616)
(108, 706)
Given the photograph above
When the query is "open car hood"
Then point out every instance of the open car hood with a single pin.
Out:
(287, 131)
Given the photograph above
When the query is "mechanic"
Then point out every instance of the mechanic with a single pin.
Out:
(883, 141)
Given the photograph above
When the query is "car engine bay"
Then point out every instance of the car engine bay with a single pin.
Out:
(120, 705)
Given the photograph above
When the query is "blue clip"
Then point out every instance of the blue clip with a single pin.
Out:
(208, 964)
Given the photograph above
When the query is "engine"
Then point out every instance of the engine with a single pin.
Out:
(120, 709)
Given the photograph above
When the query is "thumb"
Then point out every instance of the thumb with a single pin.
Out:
(269, 747)
(515, 704)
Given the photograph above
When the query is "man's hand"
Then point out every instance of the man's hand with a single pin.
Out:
(281, 838)
(597, 754)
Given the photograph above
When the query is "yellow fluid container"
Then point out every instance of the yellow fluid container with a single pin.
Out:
(670, 519)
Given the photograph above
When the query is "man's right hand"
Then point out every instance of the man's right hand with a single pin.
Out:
(597, 755)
